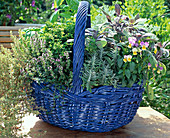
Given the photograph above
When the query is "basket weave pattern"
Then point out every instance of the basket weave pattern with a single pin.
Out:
(105, 109)
(102, 110)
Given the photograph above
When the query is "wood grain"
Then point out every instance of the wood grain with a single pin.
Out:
(5, 40)
(8, 33)
(6, 45)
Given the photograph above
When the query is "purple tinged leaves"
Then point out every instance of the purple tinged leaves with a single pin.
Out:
(117, 9)
(137, 17)
(107, 16)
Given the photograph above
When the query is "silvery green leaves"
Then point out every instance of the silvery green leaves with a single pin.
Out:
(100, 41)
(164, 51)
(98, 70)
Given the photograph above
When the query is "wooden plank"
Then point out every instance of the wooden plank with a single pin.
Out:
(11, 28)
(29, 25)
(20, 26)
(8, 33)
(8, 45)
(5, 40)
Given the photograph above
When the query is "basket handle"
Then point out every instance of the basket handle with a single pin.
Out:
(82, 22)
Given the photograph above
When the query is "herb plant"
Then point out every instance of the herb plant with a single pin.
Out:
(51, 54)
(137, 55)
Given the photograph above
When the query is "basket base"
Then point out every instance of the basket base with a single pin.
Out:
(86, 128)
(109, 109)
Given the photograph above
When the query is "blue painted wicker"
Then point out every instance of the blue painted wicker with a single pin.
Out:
(102, 110)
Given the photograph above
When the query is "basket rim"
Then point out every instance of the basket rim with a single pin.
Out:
(88, 96)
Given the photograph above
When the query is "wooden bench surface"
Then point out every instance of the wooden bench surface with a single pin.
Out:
(5, 39)
(147, 123)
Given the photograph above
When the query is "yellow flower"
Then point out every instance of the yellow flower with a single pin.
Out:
(125, 58)
(134, 51)
(158, 71)
(143, 47)
(154, 69)
(155, 51)
(129, 57)
(130, 46)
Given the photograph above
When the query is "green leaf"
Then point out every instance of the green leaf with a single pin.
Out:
(127, 73)
(65, 15)
(54, 16)
(120, 62)
(139, 69)
(140, 21)
(21, 17)
(57, 3)
(134, 77)
(130, 83)
(123, 83)
(150, 92)
(73, 4)
(164, 68)
(132, 66)
(120, 72)
(101, 42)
(152, 59)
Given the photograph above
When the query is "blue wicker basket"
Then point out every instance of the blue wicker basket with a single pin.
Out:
(102, 110)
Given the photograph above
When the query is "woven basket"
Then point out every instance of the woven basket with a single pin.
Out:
(102, 110)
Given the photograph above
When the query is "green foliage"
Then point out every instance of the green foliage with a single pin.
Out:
(25, 11)
(154, 11)
(64, 10)
(97, 69)
(14, 90)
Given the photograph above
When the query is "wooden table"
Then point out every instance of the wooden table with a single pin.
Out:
(147, 123)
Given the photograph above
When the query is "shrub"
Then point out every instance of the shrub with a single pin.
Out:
(14, 90)
(154, 11)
